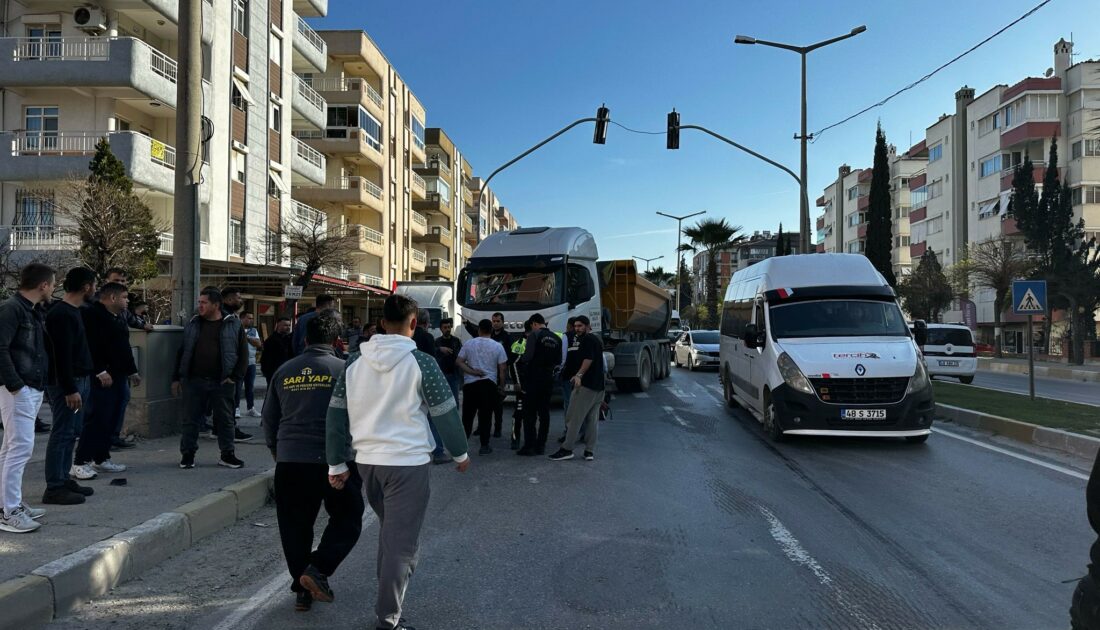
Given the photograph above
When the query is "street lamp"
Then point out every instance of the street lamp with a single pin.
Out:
(679, 242)
(804, 214)
(648, 260)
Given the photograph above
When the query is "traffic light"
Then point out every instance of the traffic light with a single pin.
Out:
(672, 136)
(603, 116)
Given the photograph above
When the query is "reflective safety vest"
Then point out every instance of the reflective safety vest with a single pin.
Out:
(519, 346)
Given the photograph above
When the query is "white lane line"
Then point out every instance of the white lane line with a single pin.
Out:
(246, 616)
(670, 411)
(1025, 458)
(797, 554)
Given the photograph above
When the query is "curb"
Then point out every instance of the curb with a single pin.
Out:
(1063, 373)
(57, 588)
(1057, 439)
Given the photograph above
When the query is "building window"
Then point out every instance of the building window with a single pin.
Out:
(991, 166)
(417, 132)
(41, 125)
(988, 124)
(45, 42)
(240, 16)
(853, 192)
(273, 188)
(935, 225)
(274, 247)
(276, 117)
(236, 237)
(342, 118)
(1086, 194)
(904, 182)
(34, 207)
(275, 50)
(935, 153)
(239, 160)
(238, 100)
(437, 185)
(935, 189)
(1085, 148)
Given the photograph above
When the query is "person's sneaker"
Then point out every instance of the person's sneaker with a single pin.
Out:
(485, 450)
(589, 456)
(41, 427)
(187, 461)
(237, 413)
(526, 451)
(253, 414)
(60, 496)
(561, 455)
(303, 601)
(317, 584)
(71, 484)
(117, 443)
(229, 460)
(35, 513)
(109, 467)
(82, 472)
(18, 522)
(241, 436)
(442, 458)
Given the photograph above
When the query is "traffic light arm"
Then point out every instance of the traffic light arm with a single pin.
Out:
(745, 149)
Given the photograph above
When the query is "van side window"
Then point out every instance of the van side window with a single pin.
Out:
(735, 317)
(758, 315)
(729, 320)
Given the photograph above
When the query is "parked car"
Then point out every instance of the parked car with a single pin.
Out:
(950, 351)
(696, 349)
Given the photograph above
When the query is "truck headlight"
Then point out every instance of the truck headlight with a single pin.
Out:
(793, 376)
(920, 381)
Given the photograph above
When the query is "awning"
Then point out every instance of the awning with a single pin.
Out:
(243, 89)
(1006, 201)
(279, 183)
(988, 208)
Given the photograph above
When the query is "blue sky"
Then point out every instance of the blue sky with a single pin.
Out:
(500, 75)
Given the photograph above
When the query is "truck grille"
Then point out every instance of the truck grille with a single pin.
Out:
(860, 391)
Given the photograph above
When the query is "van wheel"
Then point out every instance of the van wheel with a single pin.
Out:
(966, 380)
(727, 390)
(691, 363)
(917, 439)
(771, 424)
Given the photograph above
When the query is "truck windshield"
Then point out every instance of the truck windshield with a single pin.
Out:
(837, 318)
(513, 287)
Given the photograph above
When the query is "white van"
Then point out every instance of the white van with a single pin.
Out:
(816, 345)
(949, 351)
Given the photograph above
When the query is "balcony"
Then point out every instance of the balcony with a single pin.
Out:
(1039, 170)
(918, 180)
(351, 90)
(42, 237)
(365, 278)
(370, 241)
(434, 168)
(419, 224)
(467, 224)
(351, 143)
(307, 166)
(434, 204)
(349, 192)
(142, 72)
(916, 250)
(418, 261)
(58, 156)
(863, 202)
(307, 105)
(436, 235)
(1039, 130)
(310, 51)
(821, 223)
(820, 203)
(419, 188)
(467, 250)
(311, 8)
(861, 230)
(440, 267)
(918, 214)
(467, 196)
(309, 217)
(166, 247)
(1008, 226)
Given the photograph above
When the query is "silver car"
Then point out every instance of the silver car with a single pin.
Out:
(696, 349)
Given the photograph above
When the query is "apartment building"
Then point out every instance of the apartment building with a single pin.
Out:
(734, 258)
(857, 188)
(830, 225)
(441, 215)
(903, 168)
(487, 213)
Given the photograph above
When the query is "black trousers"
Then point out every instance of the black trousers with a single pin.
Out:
(1084, 609)
(479, 399)
(300, 489)
(99, 422)
(536, 407)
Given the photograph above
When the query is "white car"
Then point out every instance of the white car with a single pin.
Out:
(696, 349)
(949, 351)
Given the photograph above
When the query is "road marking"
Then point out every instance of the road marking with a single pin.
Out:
(247, 615)
(675, 415)
(641, 395)
(797, 554)
(1003, 451)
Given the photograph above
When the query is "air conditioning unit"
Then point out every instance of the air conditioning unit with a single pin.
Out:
(90, 19)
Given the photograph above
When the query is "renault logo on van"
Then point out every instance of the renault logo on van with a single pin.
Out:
(860, 370)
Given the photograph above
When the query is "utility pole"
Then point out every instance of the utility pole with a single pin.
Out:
(679, 231)
(185, 216)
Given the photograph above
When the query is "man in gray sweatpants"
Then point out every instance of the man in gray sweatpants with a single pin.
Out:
(584, 367)
(378, 410)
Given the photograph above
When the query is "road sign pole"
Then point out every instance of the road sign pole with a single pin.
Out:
(1030, 359)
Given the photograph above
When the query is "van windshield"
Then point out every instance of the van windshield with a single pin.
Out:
(837, 318)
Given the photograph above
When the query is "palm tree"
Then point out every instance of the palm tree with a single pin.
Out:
(659, 276)
(710, 236)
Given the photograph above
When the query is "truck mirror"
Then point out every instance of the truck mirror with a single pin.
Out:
(920, 332)
(751, 336)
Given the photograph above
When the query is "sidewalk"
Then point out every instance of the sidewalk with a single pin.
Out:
(155, 485)
(1089, 372)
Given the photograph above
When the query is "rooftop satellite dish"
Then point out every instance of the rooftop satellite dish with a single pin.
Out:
(1049, 72)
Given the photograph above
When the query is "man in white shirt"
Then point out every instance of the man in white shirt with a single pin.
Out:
(379, 410)
(483, 363)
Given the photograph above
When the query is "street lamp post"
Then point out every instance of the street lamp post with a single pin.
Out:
(679, 244)
(804, 202)
(649, 260)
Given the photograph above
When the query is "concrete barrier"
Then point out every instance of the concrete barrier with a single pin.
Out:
(1042, 371)
(1057, 439)
(209, 514)
(27, 602)
(86, 574)
(252, 493)
(156, 540)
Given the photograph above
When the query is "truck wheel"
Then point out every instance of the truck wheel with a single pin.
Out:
(771, 424)
(645, 373)
(662, 370)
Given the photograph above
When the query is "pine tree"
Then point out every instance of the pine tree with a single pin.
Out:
(106, 168)
(879, 223)
(926, 293)
(782, 243)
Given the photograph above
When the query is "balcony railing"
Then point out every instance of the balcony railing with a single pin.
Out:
(308, 215)
(79, 143)
(347, 84)
(163, 65)
(309, 94)
(418, 182)
(441, 231)
(420, 220)
(438, 164)
(309, 154)
(441, 263)
(365, 233)
(310, 35)
(362, 183)
(420, 257)
(366, 278)
(86, 49)
(34, 237)
(166, 244)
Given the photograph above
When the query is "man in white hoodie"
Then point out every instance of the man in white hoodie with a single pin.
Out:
(380, 409)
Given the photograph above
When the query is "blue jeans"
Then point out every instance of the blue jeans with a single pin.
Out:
(455, 381)
(249, 386)
(67, 425)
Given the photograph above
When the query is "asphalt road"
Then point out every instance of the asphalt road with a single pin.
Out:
(1070, 391)
(688, 518)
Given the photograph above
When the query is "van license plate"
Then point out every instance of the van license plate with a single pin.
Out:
(944, 363)
(863, 414)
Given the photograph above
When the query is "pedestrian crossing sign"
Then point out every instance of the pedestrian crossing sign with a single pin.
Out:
(1029, 297)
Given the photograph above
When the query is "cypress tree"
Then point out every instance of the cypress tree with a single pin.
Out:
(879, 223)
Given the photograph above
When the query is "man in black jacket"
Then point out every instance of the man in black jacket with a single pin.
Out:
(24, 371)
(69, 391)
(542, 355)
(113, 364)
(294, 426)
(212, 358)
(505, 339)
(277, 349)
